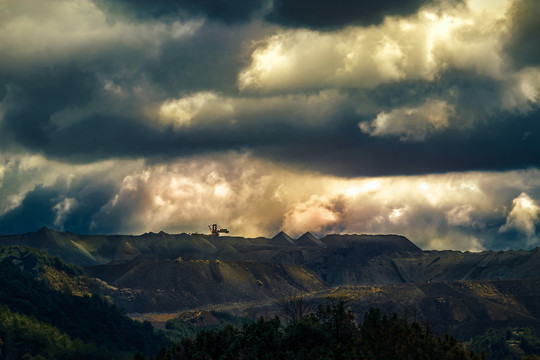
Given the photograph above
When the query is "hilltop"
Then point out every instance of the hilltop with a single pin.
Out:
(90, 250)
(336, 259)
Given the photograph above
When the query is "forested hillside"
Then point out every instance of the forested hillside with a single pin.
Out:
(37, 319)
(329, 332)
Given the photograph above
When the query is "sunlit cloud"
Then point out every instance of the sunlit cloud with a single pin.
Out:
(523, 216)
(62, 210)
(189, 194)
(523, 90)
(252, 197)
(459, 215)
(415, 47)
(411, 124)
(316, 214)
(204, 108)
(205, 105)
(466, 37)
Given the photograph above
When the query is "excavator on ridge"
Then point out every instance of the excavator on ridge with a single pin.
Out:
(215, 230)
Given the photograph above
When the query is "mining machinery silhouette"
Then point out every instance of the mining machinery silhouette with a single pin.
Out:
(215, 230)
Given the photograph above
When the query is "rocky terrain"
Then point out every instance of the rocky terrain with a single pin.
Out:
(169, 285)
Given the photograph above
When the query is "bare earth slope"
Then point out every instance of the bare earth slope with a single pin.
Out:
(172, 285)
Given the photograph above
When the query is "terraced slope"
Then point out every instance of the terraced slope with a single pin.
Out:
(172, 285)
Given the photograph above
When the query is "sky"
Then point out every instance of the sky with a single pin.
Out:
(411, 117)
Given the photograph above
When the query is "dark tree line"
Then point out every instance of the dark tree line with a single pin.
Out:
(328, 332)
(508, 344)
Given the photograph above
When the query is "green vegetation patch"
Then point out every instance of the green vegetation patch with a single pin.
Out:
(24, 337)
(488, 290)
(190, 323)
(61, 276)
(92, 319)
(508, 343)
(78, 285)
(330, 332)
(35, 261)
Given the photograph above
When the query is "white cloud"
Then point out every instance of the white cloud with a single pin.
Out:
(45, 32)
(523, 216)
(62, 210)
(522, 91)
(459, 215)
(420, 46)
(231, 190)
(203, 105)
(207, 107)
(317, 214)
(468, 37)
(411, 123)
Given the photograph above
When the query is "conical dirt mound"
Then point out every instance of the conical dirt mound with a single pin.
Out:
(282, 239)
(308, 239)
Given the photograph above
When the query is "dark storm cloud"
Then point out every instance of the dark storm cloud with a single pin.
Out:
(96, 108)
(227, 11)
(111, 137)
(89, 110)
(210, 59)
(33, 213)
(513, 239)
(41, 207)
(523, 45)
(338, 147)
(31, 98)
(510, 143)
(466, 89)
(321, 14)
